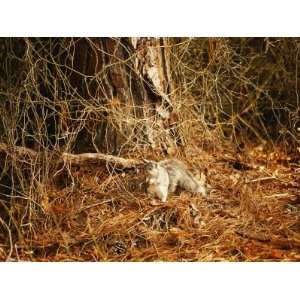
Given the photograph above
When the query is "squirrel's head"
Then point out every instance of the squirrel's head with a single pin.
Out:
(151, 167)
(150, 164)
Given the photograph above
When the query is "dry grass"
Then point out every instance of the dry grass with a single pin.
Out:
(252, 214)
(227, 93)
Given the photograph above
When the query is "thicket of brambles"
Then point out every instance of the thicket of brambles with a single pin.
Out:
(56, 96)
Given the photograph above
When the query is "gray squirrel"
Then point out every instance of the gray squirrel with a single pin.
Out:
(165, 176)
(158, 181)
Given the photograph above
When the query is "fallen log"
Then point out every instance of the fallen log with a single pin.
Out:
(85, 158)
(19, 151)
(77, 159)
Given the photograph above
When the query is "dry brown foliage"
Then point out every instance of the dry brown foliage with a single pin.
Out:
(252, 214)
(236, 108)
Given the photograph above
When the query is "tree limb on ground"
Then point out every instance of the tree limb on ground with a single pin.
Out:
(77, 159)
(19, 151)
(86, 158)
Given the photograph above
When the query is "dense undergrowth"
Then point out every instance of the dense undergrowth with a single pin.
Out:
(237, 110)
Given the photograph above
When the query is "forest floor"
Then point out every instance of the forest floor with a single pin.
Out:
(251, 214)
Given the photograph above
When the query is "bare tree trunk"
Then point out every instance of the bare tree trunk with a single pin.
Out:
(132, 78)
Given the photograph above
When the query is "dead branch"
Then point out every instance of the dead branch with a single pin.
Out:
(19, 151)
(77, 159)
(85, 158)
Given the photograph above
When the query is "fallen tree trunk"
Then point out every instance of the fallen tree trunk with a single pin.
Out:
(86, 158)
(77, 159)
(17, 150)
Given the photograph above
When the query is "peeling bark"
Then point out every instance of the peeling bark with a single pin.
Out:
(132, 81)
